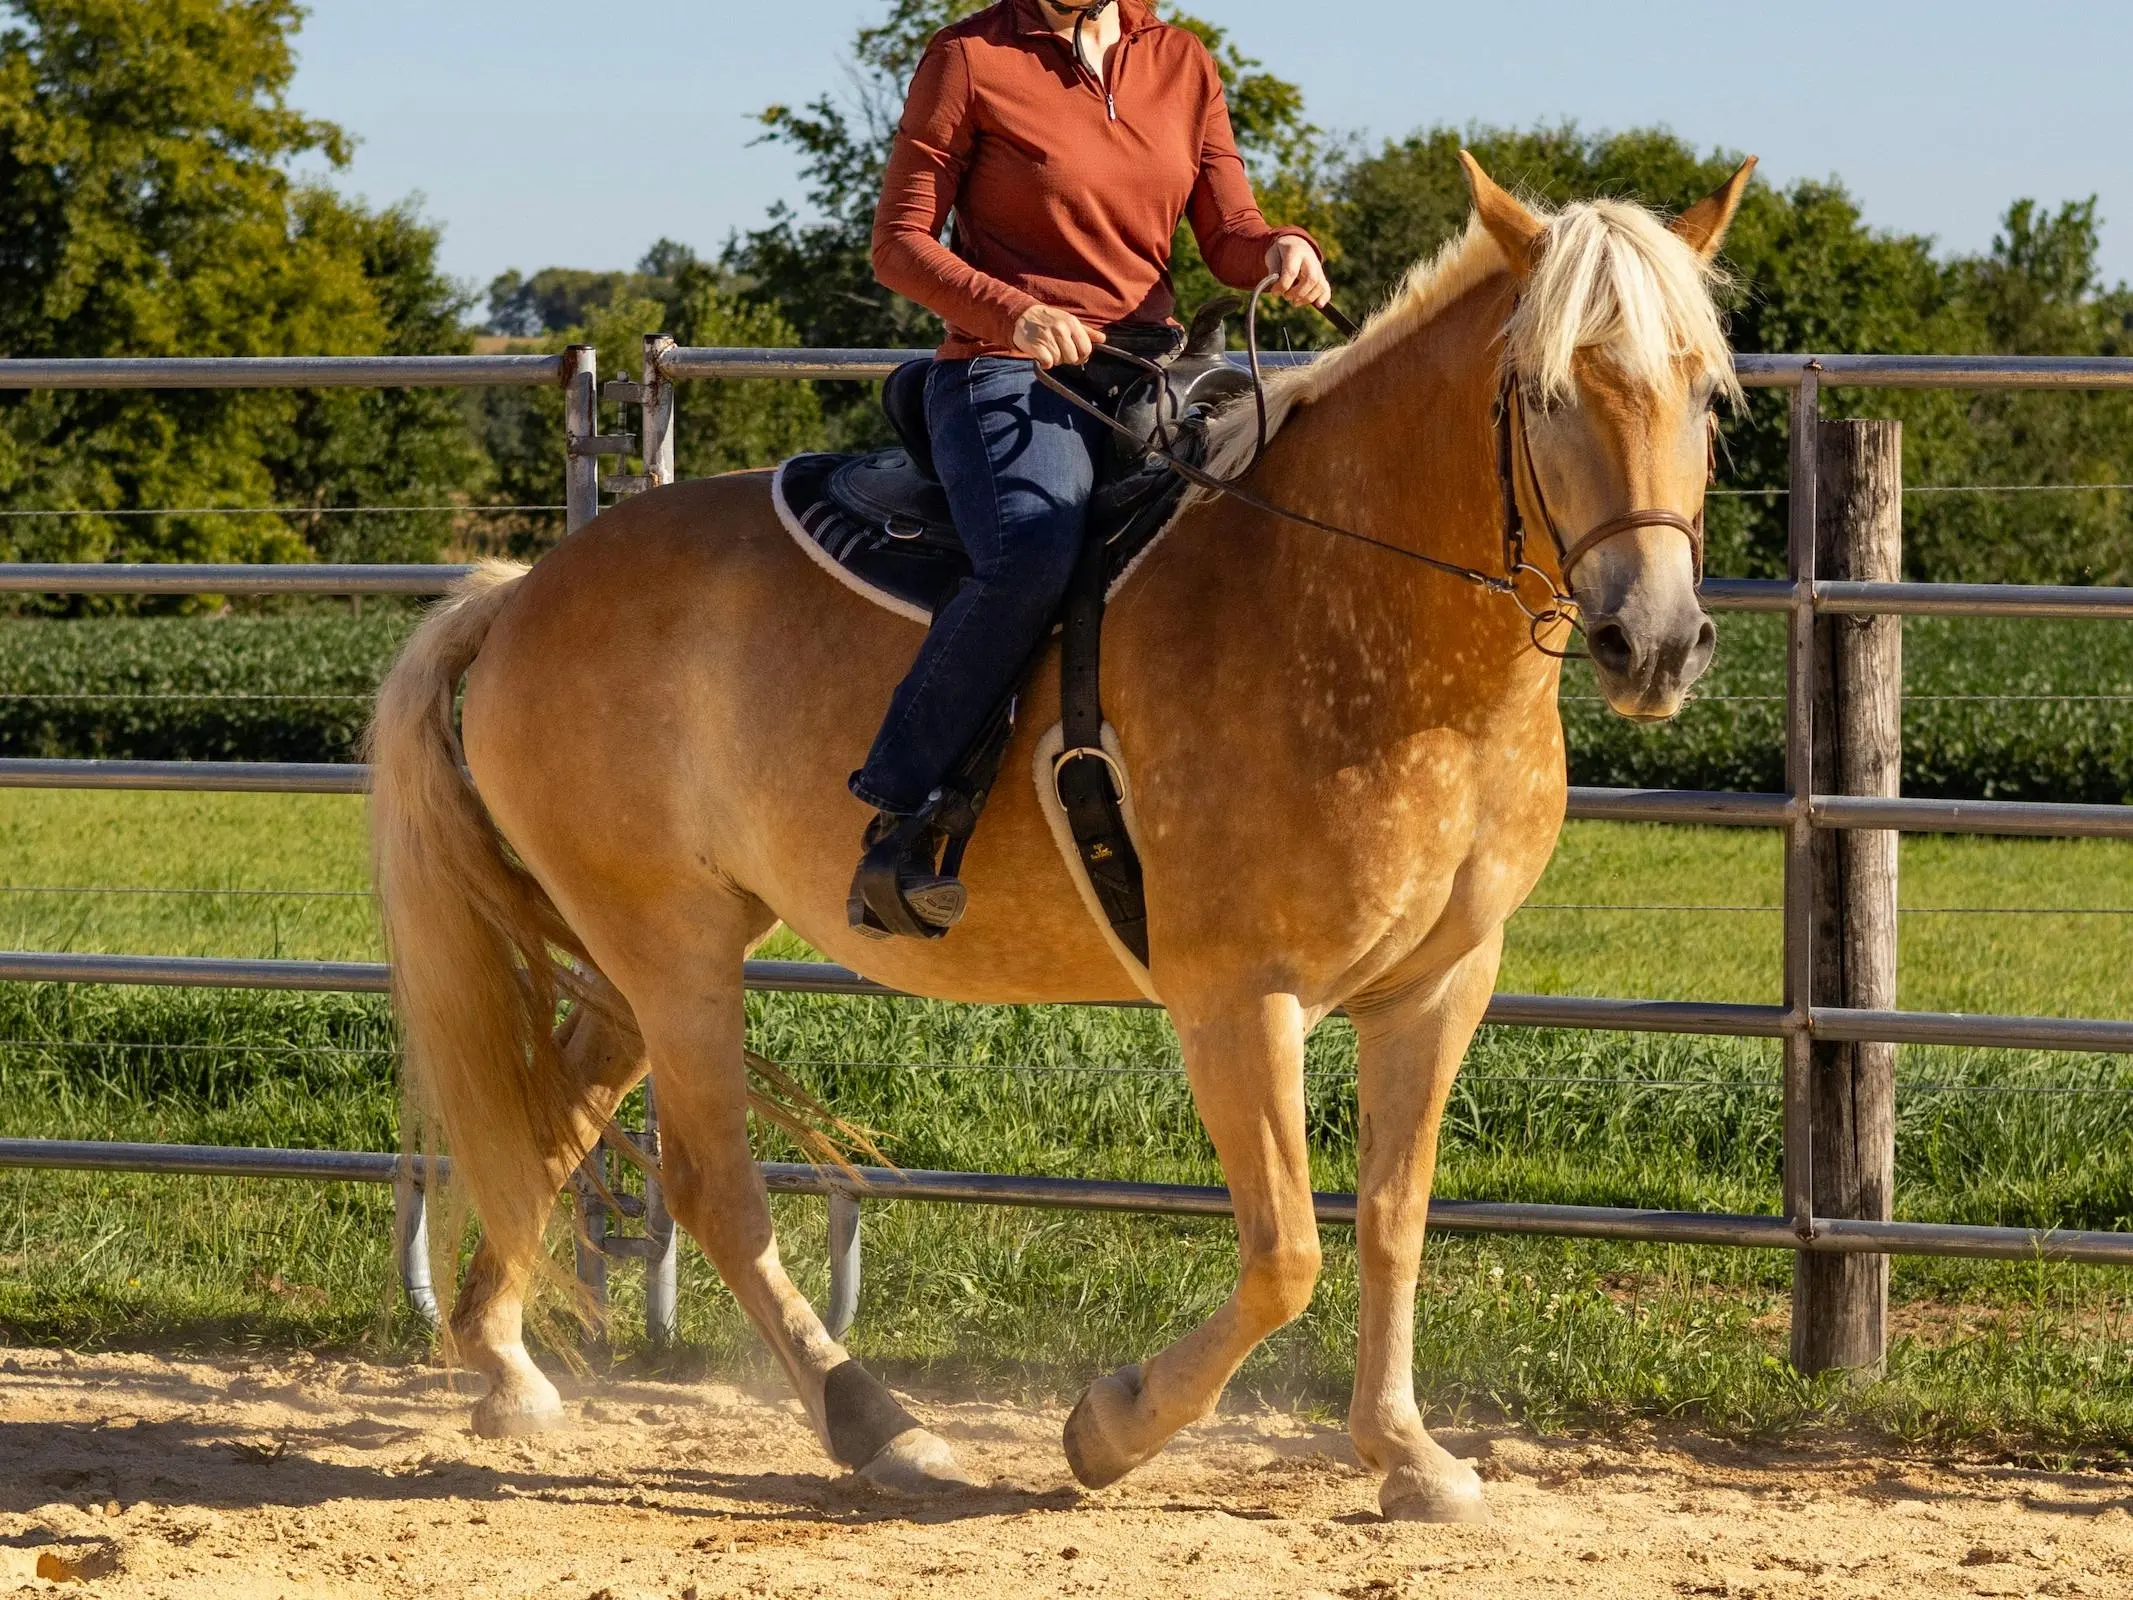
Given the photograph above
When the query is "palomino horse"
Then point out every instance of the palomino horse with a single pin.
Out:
(659, 717)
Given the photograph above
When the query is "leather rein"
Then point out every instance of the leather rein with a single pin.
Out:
(1514, 459)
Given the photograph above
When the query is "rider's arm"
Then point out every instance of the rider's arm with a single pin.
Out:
(1225, 217)
(933, 144)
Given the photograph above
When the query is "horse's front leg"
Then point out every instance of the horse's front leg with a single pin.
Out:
(1245, 1062)
(1411, 1045)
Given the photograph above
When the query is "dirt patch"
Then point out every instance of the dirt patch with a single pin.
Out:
(131, 1475)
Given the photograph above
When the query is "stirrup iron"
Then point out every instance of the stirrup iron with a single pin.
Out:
(903, 887)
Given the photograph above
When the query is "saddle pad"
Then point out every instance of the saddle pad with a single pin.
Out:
(915, 577)
(910, 577)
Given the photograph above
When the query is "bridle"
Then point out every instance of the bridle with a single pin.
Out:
(1514, 459)
(1514, 439)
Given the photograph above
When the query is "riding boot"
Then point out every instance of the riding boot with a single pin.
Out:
(899, 887)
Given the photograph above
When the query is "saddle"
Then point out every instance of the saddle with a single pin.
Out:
(884, 518)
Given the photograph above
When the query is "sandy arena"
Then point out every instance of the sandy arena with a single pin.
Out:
(130, 1475)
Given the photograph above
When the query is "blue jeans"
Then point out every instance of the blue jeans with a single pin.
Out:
(1018, 463)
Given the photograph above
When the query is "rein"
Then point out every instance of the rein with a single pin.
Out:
(1514, 450)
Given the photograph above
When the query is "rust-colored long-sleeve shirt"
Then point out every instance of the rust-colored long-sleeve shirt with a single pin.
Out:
(1066, 190)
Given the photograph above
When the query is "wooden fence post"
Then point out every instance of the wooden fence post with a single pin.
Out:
(1840, 1302)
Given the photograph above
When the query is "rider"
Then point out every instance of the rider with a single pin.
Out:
(1066, 141)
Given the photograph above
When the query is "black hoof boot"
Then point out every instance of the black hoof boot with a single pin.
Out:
(899, 888)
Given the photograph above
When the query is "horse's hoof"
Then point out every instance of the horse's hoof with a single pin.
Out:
(917, 1465)
(1454, 1496)
(1096, 1433)
(505, 1414)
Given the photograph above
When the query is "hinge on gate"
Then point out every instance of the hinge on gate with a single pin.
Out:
(656, 448)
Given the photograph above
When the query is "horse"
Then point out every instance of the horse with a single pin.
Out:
(647, 776)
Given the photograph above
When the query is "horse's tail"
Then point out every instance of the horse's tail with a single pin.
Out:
(479, 952)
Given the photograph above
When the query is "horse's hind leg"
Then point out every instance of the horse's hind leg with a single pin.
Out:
(488, 1320)
(1245, 1061)
(1410, 1049)
(693, 1022)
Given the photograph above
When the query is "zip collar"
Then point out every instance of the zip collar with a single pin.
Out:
(1134, 16)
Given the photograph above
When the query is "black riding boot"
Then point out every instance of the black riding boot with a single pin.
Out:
(899, 887)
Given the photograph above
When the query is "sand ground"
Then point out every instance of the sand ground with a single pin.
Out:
(140, 1475)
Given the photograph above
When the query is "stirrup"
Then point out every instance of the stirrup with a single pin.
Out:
(897, 890)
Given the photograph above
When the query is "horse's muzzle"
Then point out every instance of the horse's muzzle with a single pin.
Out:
(1649, 650)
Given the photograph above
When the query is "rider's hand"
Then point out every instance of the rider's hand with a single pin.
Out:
(1055, 338)
(1301, 275)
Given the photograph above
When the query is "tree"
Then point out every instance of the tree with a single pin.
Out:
(146, 209)
(1811, 274)
(2036, 292)
(720, 426)
(552, 299)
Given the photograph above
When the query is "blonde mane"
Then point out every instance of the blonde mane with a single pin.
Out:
(1608, 276)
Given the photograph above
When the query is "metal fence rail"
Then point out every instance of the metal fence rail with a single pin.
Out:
(684, 362)
(1716, 808)
(1800, 812)
(287, 372)
(1602, 1014)
(844, 1190)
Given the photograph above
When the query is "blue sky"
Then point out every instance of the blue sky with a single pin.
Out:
(554, 132)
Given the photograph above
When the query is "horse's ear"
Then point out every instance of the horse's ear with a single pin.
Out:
(1703, 226)
(1510, 224)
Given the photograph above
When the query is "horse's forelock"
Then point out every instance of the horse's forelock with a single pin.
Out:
(1611, 277)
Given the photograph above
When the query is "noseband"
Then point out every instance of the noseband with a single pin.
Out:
(1514, 459)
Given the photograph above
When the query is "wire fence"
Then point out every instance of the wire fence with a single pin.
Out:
(1169, 1071)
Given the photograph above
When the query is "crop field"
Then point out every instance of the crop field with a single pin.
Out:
(1556, 1333)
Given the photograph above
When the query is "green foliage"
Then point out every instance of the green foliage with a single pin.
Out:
(1993, 709)
(553, 300)
(148, 209)
(1292, 172)
(818, 274)
(730, 424)
(719, 426)
(289, 688)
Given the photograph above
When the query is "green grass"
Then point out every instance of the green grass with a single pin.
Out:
(1558, 1332)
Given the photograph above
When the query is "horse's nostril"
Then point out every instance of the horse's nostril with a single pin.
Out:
(1706, 645)
(1611, 649)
